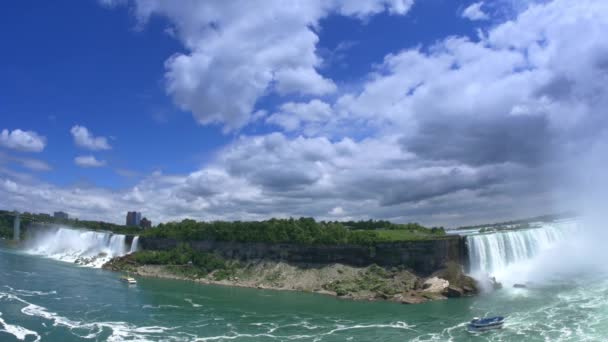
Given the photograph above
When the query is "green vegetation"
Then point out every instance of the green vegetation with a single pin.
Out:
(521, 223)
(408, 235)
(7, 217)
(304, 231)
(6, 227)
(185, 261)
(375, 279)
(380, 224)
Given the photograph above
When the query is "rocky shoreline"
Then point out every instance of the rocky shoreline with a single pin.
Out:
(373, 282)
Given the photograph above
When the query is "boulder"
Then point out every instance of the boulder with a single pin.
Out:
(454, 274)
(435, 285)
(453, 292)
(468, 290)
(409, 299)
(496, 285)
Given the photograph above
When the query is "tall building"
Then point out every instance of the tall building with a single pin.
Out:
(145, 223)
(60, 215)
(133, 218)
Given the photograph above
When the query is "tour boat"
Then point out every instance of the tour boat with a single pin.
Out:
(129, 280)
(483, 324)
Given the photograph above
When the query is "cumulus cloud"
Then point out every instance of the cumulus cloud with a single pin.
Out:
(233, 58)
(89, 161)
(310, 117)
(474, 12)
(85, 139)
(459, 132)
(26, 141)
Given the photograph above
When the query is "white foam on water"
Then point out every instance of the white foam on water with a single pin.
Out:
(312, 337)
(120, 331)
(28, 293)
(194, 305)
(19, 332)
(87, 248)
(162, 306)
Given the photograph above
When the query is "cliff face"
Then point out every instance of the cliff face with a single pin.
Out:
(423, 257)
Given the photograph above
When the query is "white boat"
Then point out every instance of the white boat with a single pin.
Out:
(128, 280)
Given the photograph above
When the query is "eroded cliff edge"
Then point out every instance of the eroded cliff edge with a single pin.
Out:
(407, 272)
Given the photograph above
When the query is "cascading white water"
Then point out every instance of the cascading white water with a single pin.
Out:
(503, 254)
(88, 248)
(134, 244)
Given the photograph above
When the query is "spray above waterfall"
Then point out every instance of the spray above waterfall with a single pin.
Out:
(89, 248)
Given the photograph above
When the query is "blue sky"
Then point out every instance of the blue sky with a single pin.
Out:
(244, 110)
(94, 68)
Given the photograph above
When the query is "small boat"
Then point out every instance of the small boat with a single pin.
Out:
(484, 324)
(128, 280)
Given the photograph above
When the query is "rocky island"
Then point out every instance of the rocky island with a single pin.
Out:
(369, 260)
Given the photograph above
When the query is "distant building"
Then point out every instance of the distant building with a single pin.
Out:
(133, 218)
(60, 215)
(145, 223)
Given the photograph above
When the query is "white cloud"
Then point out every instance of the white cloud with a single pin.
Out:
(26, 141)
(89, 161)
(474, 12)
(463, 131)
(28, 163)
(34, 164)
(85, 139)
(309, 117)
(233, 57)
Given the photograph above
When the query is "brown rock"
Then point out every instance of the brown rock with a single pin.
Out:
(453, 292)
(412, 300)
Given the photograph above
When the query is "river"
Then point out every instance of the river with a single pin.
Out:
(43, 299)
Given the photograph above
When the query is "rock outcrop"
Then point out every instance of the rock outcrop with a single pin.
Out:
(435, 285)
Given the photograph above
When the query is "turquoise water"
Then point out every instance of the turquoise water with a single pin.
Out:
(48, 300)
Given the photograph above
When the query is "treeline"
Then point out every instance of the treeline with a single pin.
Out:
(524, 222)
(304, 231)
(6, 226)
(383, 224)
(7, 219)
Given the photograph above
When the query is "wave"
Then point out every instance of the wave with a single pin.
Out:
(316, 337)
(120, 331)
(19, 332)
(28, 293)
(194, 305)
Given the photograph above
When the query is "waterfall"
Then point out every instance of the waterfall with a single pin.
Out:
(134, 244)
(501, 254)
(90, 248)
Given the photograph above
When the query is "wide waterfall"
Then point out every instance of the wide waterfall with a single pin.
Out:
(505, 254)
(90, 248)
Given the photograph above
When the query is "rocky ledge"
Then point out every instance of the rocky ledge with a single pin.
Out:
(373, 282)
